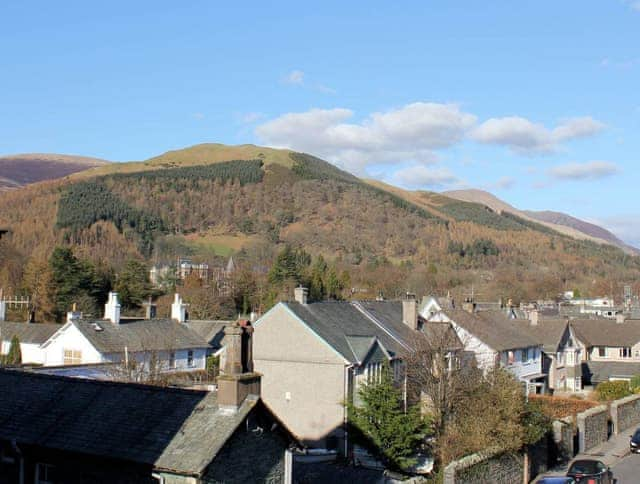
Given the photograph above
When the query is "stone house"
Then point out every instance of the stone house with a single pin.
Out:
(164, 344)
(314, 357)
(57, 429)
(31, 336)
(493, 339)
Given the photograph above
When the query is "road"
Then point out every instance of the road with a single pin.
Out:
(627, 471)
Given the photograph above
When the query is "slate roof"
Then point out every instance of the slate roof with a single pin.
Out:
(493, 328)
(337, 321)
(599, 371)
(606, 332)
(548, 332)
(211, 331)
(171, 429)
(34, 333)
(139, 335)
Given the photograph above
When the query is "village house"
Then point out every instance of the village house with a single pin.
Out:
(57, 429)
(31, 336)
(561, 360)
(609, 348)
(166, 344)
(493, 339)
(314, 357)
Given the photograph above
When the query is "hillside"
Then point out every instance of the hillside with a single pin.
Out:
(23, 169)
(557, 221)
(210, 200)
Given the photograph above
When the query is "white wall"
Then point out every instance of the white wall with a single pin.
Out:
(69, 338)
(523, 367)
(31, 352)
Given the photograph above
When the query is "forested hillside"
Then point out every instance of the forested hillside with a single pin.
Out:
(372, 238)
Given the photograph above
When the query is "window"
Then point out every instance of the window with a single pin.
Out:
(625, 352)
(45, 473)
(72, 357)
(374, 372)
(510, 358)
(172, 359)
(190, 358)
(602, 351)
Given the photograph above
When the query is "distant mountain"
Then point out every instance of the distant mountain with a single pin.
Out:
(560, 222)
(559, 218)
(23, 169)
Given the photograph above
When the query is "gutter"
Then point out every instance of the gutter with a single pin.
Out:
(347, 369)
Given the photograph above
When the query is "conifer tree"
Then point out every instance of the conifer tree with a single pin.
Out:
(14, 357)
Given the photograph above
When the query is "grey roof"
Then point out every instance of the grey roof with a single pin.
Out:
(598, 371)
(34, 333)
(493, 328)
(360, 346)
(171, 429)
(548, 332)
(139, 335)
(606, 332)
(336, 321)
(211, 331)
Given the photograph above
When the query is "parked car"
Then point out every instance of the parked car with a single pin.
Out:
(634, 443)
(590, 471)
(556, 480)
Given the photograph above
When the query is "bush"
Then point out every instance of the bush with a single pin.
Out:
(613, 390)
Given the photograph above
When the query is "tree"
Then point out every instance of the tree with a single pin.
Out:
(381, 424)
(132, 284)
(37, 281)
(14, 357)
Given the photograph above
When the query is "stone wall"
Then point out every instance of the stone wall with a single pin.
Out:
(592, 427)
(563, 437)
(625, 413)
(494, 467)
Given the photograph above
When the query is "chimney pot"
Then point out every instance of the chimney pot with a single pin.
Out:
(300, 294)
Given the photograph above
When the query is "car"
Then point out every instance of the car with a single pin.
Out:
(556, 480)
(634, 443)
(590, 471)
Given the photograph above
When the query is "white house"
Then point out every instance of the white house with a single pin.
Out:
(31, 337)
(169, 345)
(493, 338)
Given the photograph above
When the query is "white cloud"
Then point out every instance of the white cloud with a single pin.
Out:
(524, 136)
(294, 77)
(623, 226)
(591, 170)
(633, 4)
(503, 183)
(420, 176)
(248, 118)
(409, 133)
(198, 116)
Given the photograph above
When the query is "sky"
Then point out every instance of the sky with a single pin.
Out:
(535, 101)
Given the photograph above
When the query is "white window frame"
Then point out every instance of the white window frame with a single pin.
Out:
(43, 468)
(190, 359)
(74, 357)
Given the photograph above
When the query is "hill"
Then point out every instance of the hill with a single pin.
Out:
(23, 169)
(210, 200)
(557, 221)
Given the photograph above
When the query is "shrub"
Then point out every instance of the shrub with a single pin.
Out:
(613, 390)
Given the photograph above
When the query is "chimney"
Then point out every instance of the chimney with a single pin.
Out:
(150, 309)
(533, 317)
(237, 380)
(74, 314)
(178, 309)
(410, 311)
(300, 295)
(112, 308)
(3, 310)
(620, 318)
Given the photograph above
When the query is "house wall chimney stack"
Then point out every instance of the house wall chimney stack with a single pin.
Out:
(237, 380)
(3, 310)
(150, 310)
(469, 306)
(300, 294)
(178, 309)
(74, 314)
(533, 317)
(112, 308)
(620, 318)
(410, 311)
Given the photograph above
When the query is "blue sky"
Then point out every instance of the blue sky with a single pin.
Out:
(538, 102)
